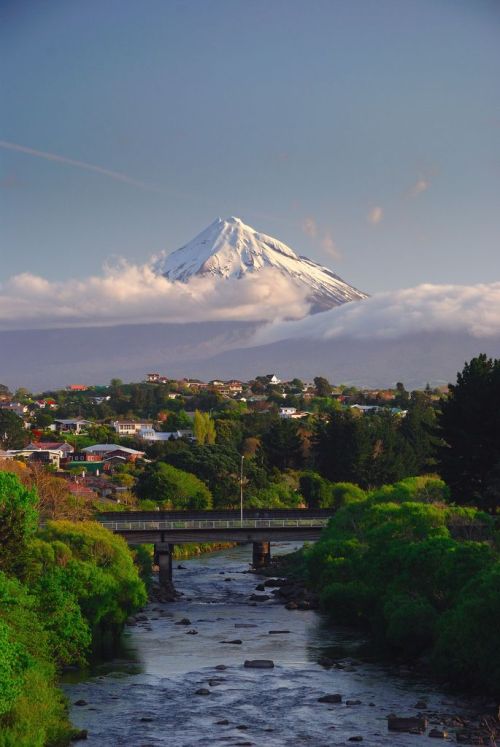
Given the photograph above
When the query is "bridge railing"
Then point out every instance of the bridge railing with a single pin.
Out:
(144, 526)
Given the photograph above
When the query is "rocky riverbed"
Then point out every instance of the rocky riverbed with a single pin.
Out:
(184, 681)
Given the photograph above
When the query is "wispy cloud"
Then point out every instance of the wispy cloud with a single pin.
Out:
(116, 175)
(421, 185)
(310, 227)
(375, 215)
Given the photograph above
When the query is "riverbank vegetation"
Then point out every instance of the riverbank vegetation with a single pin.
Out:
(421, 575)
(62, 590)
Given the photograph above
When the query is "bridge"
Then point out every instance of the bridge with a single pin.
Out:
(165, 529)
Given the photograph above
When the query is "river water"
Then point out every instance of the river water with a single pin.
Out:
(147, 698)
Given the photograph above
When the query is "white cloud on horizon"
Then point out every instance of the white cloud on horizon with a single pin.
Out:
(133, 294)
(474, 310)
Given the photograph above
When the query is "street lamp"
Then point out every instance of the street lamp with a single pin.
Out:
(241, 490)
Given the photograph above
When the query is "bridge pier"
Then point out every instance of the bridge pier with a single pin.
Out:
(261, 554)
(163, 554)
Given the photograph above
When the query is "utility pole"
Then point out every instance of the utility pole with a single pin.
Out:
(241, 490)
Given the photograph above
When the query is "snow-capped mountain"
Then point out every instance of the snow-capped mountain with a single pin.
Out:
(230, 249)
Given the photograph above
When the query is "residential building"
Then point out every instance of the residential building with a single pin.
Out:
(130, 428)
(71, 425)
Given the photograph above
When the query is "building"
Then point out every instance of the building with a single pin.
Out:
(64, 448)
(130, 428)
(77, 388)
(70, 425)
(107, 451)
(149, 434)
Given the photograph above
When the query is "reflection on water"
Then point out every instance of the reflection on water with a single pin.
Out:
(147, 697)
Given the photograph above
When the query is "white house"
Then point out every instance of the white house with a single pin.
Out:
(130, 427)
(287, 412)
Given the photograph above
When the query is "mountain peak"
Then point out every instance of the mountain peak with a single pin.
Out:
(230, 248)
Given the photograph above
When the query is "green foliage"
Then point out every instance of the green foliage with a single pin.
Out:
(389, 563)
(467, 648)
(100, 573)
(275, 495)
(204, 428)
(13, 434)
(18, 522)
(283, 444)
(469, 424)
(343, 493)
(32, 711)
(173, 488)
(317, 491)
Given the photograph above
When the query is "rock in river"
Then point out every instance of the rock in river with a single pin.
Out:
(411, 723)
(332, 698)
(259, 663)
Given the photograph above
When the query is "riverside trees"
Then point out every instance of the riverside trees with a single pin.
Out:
(60, 590)
(469, 424)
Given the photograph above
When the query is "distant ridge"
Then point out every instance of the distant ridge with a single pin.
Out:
(229, 248)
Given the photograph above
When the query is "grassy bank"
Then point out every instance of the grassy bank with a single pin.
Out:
(422, 576)
(61, 591)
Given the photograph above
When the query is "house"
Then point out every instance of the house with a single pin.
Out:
(108, 450)
(130, 427)
(77, 388)
(273, 379)
(43, 403)
(70, 425)
(45, 456)
(16, 407)
(287, 412)
(149, 434)
(65, 448)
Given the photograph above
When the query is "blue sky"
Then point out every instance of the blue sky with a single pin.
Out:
(364, 134)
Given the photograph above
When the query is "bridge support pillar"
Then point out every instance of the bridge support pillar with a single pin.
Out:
(163, 555)
(261, 554)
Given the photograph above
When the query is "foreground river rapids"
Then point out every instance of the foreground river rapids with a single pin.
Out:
(148, 697)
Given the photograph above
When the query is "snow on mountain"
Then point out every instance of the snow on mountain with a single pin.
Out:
(230, 249)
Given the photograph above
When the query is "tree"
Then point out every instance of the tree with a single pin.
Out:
(283, 445)
(204, 428)
(18, 522)
(469, 424)
(165, 484)
(323, 386)
(343, 448)
(13, 434)
(315, 489)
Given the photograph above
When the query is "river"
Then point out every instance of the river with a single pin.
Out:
(147, 697)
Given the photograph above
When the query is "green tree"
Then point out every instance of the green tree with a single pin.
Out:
(283, 445)
(323, 386)
(18, 522)
(13, 434)
(204, 428)
(469, 424)
(168, 485)
(317, 491)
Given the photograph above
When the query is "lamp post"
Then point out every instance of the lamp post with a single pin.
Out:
(241, 490)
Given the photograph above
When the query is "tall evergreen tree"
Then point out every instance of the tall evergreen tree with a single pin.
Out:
(469, 424)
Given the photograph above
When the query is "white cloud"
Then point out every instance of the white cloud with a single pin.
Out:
(375, 215)
(310, 227)
(473, 309)
(128, 294)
